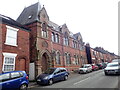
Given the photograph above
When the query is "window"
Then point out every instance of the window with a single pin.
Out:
(68, 58)
(11, 36)
(53, 37)
(15, 75)
(4, 77)
(76, 59)
(9, 62)
(93, 53)
(44, 30)
(57, 38)
(63, 70)
(66, 41)
(58, 58)
(74, 44)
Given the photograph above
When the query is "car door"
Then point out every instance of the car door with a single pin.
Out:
(16, 80)
(5, 80)
(89, 68)
(63, 73)
(57, 75)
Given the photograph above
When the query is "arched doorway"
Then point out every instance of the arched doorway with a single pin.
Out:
(45, 62)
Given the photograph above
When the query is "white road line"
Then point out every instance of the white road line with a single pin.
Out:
(81, 81)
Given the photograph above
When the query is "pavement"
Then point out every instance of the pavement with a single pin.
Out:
(33, 83)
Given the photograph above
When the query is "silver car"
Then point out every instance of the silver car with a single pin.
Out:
(85, 68)
(112, 68)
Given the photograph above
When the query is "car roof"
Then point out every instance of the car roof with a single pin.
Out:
(10, 72)
(58, 68)
(114, 60)
(113, 63)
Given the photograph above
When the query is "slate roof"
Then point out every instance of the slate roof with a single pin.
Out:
(12, 22)
(77, 34)
(29, 14)
(54, 25)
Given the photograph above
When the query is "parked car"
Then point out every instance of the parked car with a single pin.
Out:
(52, 75)
(116, 60)
(99, 65)
(112, 68)
(85, 68)
(94, 67)
(14, 80)
(104, 64)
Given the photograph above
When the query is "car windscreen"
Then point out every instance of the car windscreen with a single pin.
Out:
(49, 71)
(85, 66)
(112, 65)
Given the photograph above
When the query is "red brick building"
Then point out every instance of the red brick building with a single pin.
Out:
(14, 45)
(98, 54)
(51, 45)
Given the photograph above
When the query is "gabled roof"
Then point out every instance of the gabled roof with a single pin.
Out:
(29, 14)
(77, 35)
(11, 22)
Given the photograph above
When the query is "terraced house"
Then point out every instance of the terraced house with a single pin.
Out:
(98, 55)
(14, 45)
(51, 45)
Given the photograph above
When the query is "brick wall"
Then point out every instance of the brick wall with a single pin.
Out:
(22, 50)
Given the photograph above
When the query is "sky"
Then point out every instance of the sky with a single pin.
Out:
(96, 20)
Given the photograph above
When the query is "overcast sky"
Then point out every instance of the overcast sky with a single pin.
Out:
(96, 20)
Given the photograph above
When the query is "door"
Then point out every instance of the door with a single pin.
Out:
(44, 62)
(57, 75)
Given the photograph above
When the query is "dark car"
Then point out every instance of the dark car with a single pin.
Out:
(14, 80)
(99, 65)
(52, 75)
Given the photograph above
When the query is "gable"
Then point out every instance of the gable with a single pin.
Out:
(43, 16)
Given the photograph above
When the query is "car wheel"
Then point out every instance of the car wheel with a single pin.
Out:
(66, 77)
(78, 72)
(106, 73)
(50, 82)
(23, 87)
(86, 72)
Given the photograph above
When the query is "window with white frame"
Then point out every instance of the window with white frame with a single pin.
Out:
(9, 62)
(11, 36)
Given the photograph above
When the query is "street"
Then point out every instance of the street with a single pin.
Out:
(95, 79)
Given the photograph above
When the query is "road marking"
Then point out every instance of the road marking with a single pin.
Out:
(81, 81)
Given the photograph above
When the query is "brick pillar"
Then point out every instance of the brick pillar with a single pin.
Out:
(1, 62)
(38, 68)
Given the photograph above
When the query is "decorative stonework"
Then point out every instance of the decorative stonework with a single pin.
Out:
(44, 44)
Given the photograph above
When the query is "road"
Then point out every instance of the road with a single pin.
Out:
(95, 79)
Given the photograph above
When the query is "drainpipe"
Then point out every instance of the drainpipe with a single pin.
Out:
(63, 51)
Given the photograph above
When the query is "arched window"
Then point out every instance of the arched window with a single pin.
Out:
(58, 58)
(74, 44)
(44, 30)
(76, 59)
(57, 38)
(68, 58)
(66, 41)
(53, 37)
